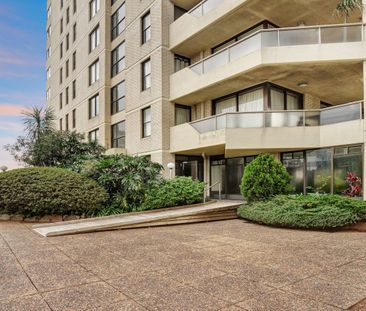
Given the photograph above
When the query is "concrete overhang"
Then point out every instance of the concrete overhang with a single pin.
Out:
(333, 73)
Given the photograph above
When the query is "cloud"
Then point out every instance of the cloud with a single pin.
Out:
(11, 127)
(12, 110)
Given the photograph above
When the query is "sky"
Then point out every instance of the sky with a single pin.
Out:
(22, 66)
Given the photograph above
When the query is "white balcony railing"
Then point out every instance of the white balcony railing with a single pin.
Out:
(204, 7)
(281, 37)
(283, 118)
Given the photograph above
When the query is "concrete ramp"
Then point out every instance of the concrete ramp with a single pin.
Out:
(218, 210)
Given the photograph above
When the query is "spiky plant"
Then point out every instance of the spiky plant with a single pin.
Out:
(37, 121)
(345, 8)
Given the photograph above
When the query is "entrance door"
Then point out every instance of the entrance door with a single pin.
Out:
(234, 170)
(218, 170)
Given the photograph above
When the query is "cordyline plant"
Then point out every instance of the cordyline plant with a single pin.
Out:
(354, 185)
(345, 8)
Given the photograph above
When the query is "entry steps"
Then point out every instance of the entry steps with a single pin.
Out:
(212, 211)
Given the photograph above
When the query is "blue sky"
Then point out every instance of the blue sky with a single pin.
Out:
(22, 63)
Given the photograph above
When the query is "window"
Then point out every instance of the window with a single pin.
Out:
(182, 114)
(94, 106)
(49, 11)
(67, 95)
(48, 73)
(67, 122)
(118, 59)
(48, 53)
(67, 42)
(146, 74)
(61, 50)
(93, 135)
(94, 73)
(67, 15)
(146, 122)
(118, 94)
(60, 124)
(74, 29)
(74, 60)
(67, 68)
(94, 39)
(73, 89)
(49, 31)
(178, 12)
(113, 2)
(61, 101)
(74, 118)
(119, 135)
(61, 75)
(61, 4)
(94, 7)
(61, 25)
(118, 21)
(48, 94)
(74, 6)
(145, 28)
(181, 62)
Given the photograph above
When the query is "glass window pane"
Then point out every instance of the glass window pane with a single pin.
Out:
(294, 163)
(251, 101)
(225, 105)
(277, 99)
(318, 169)
(293, 102)
(182, 115)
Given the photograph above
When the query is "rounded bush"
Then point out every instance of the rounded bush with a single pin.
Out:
(264, 178)
(42, 191)
(306, 211)
(174, 192)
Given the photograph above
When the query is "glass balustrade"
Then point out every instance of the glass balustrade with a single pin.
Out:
(204, 7)
(275, 119)
(280, 37)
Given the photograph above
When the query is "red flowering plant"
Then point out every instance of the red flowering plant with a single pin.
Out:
(354, 183)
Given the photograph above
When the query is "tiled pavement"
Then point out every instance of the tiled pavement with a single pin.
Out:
(227, 265)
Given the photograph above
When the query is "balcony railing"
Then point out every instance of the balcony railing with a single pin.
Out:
(204, 7)
(281, 37)
(284, 118)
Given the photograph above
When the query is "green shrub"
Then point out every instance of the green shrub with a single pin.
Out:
(264, 178)
(307, 212)
(174, 192)
(45, 191)
(125, 178)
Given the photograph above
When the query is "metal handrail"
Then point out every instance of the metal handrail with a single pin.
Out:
(279, 30)
(209, 187)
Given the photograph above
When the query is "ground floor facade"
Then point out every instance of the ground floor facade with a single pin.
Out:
(322, 170)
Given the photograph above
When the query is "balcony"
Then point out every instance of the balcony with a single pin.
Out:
(270, 130)
(214, 21)
(266, 49)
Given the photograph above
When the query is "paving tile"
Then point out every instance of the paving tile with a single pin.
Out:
(182, 299)
(232, 288)
(278, 300)
(332, 293)
(232, 308)
(125, 305)
(28, 303)
(84, 297)
(361, 306)
(48, 276)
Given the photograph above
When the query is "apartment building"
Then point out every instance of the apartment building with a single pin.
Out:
(209, 85)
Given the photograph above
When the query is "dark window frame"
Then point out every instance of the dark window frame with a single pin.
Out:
(115, 102)
(144, 122)
(145, 30)
(144, 75)
(115, 140)
(93, 103)
(179, 106)
(115, 22)
(116, 68)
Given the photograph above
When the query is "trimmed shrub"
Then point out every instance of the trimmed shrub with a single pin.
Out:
(174, 192)
(42, 191)
(264, 178)
(306, 211)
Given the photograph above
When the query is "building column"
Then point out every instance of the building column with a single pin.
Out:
(364, 129)
(206, 172)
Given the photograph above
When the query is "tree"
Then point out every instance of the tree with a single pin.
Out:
(53, 148)
(264, 178)
(345, 8)
(38, 121)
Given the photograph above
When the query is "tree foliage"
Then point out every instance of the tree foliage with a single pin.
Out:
(264, 178)
(345, 8)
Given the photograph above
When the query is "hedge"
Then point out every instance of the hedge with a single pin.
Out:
(40, 191)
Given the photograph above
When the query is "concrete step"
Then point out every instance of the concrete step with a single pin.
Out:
(213, 211)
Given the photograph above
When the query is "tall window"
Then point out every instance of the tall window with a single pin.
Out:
(94, 39)
(74, 6)
(180, 62)
(67, 122)
(67, 42)
(60, 124)
(118, 94)
(73, 89)
(145, 28)
(74, 60)
(61, 97)
(94, 73)
(119, 135)
(94, 135)
(94, 7)
(61, 50)
(118, 21)
(74, 33)
(146, 74)
(61, 25)
(67, 15)
(118, 59)
(48, 94)
(74, 118)
(67, 95)
(146, 122)
(67, 68)
(48, 73)
(94, 106)
(61, 75)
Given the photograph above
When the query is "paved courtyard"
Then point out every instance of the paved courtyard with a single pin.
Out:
(228, 265)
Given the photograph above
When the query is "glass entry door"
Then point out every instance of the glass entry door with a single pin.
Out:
(218, 170)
